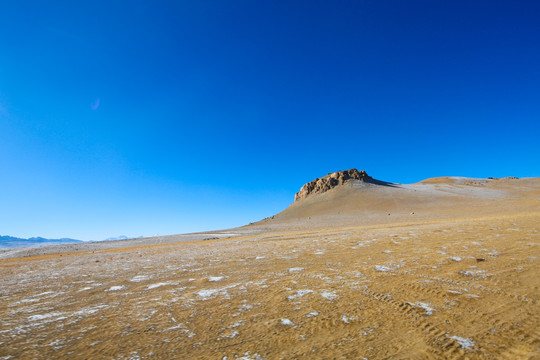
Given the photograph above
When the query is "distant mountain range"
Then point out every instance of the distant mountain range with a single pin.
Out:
(123, 237)
(9, 242)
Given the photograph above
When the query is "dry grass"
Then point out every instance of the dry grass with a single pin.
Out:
(441, 289)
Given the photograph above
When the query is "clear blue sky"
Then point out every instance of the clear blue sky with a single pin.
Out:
(154, 117)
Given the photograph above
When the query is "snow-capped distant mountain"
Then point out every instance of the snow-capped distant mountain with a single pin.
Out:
(8, 242)
(122, 237)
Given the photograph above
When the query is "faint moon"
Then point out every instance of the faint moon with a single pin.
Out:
(95, 104)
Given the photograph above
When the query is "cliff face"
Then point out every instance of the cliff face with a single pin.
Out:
(330, 181)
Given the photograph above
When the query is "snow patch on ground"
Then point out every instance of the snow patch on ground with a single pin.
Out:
(427, 307)
(329, 295)
(153, 286)
(299, 294)
(249, 357)
(89, 310)
(481, 273)
(464, 342)
(207, 293)
(215, 278)
(237, 324)
(116, 288)
(43, 316)
(287, 322)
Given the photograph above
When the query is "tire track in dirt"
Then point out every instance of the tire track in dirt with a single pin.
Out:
(467, 283)
(419, 323)
(526, 333)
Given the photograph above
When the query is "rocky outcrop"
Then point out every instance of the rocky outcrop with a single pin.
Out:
(330, 181)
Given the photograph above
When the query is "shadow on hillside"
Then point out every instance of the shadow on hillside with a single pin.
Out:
(382, 183)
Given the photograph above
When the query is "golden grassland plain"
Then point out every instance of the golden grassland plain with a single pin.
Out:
(463, 287)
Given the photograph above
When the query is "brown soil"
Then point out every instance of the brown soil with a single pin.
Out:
(455, 283)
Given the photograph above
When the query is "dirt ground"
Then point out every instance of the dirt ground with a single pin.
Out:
(467, 288)
(462, 287)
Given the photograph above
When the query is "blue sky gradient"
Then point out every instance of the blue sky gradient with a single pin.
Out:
(166, 117)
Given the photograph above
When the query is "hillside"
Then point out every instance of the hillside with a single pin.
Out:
(365, 201)
(355, 268)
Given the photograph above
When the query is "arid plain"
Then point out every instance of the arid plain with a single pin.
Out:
(358, 269)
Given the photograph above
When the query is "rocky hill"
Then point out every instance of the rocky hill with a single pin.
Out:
(353, 198)
(330, 181)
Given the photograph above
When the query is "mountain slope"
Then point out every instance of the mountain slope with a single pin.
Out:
(367, 201)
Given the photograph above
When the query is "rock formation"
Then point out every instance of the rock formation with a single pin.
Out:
(330, 181)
